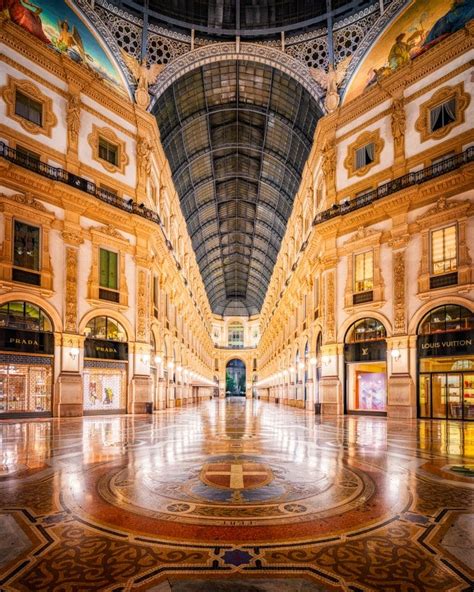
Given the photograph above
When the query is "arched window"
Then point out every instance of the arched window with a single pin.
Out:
(105, 328)
(24, 316)
(236, 335)
(367, 329)
(450, 317)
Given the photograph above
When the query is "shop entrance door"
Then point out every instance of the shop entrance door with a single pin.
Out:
(446, 395)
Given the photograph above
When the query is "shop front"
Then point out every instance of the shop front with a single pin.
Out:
(365, 357)
(105, 367)
(446, 364)
(26, 360)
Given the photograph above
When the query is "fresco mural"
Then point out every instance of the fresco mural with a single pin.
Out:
(423, 24)
(55, 23)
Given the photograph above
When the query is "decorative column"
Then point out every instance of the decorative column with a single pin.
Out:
(398, 125)
(68, 400)
(401, 400)
(141, 383)
(73, 123)
(330, 385)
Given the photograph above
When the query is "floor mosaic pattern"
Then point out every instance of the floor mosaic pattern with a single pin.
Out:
(236, 495)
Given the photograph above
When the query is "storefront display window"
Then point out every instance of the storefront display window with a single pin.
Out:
(26, 359)
(105, 366)
(25, 386)
(365, 354)
(104, 388)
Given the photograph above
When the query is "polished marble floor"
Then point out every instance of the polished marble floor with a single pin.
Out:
(236, 495)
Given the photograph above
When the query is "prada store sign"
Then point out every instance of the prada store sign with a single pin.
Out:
(31, 342)
(455, 343)
(365, 351)
(106, 350)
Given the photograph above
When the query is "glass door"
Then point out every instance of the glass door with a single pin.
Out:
(454, 395)
(438, 390)
(425, 395)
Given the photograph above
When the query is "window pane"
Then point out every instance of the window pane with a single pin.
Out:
(28, 108)
(108, 269)
(444, 250)
(108, 151)
(26, 250)
(363, 271)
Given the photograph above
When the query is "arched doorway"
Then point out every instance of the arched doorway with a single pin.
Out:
(235, 378)
(26, 362)
(105, 366)
(446, 363)
(365, 356)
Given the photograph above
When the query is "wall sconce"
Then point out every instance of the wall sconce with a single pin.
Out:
(326, 360)
(313, 361)
(178, 368)
(170, 364)
(291, 369)
(301, 365)
(145, 359)
(158, 360)
(74, 352)
(396, 355)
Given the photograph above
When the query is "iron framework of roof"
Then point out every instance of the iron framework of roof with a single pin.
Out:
(237, 135)
(245, 18)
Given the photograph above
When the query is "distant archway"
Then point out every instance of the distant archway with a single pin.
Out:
(235, 378)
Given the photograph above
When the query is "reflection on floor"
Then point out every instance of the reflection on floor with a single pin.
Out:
(236, 495)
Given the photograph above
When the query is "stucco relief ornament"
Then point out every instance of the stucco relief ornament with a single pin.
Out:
(330, 81)
(144, 157)
(73, 120)
(143, 75)
(398, 122)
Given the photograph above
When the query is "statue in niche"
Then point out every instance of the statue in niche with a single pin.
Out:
(143, 75)
(330, 81)
(398, 122)
(143, 158)
(73, 120)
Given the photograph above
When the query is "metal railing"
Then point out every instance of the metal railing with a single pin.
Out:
(408, 180)
(130, 206)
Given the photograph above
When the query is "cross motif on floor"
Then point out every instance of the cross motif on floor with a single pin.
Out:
(236, 474)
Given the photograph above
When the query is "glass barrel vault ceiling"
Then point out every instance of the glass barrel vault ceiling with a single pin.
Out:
(237, 135)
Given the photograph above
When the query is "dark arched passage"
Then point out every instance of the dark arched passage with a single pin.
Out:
(235, 378)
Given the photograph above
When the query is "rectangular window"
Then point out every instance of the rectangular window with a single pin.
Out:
(444, 250)
(108, 269)
(364, 272)
(28, 108)
(443, 114)
(26, 253)
(364, 155)
(108, 151)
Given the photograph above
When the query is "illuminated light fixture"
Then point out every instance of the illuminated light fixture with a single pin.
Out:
(178, 368)
(313, 361)
(170, 364)
(158, 360)
(291, 369)
(74, 352)
(326, 360)
(145, 359)
(301, 365)
(396, 355)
